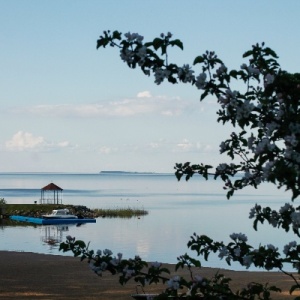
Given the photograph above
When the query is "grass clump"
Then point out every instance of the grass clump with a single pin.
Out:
(120, 212)
(37, 210)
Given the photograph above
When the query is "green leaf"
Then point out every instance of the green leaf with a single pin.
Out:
(102, 42)
(255, 224)
(79, 243)
(116, 35)
(204, 95)
(233, 73)
(248, 53)
(177, 43)
(157, 43)
(198, 60)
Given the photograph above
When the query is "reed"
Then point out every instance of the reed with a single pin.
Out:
(39, 209)
(120, 212)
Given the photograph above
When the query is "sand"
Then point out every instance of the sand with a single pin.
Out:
(38, 276)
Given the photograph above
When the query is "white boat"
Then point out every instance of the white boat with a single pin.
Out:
(60, 214)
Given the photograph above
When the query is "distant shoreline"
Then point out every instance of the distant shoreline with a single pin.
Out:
(129, 172)
(84, 173)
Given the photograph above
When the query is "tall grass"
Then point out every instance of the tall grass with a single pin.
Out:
(38, 209)
(120, 212)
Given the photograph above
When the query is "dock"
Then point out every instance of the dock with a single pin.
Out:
(42, 221)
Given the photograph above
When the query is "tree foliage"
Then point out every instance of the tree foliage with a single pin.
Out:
(263, 147)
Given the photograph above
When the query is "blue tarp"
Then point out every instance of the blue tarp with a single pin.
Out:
(51, 221)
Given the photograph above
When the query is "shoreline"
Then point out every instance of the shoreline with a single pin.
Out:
(27, 275)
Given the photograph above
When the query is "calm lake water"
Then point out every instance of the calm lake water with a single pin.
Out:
(176, 211)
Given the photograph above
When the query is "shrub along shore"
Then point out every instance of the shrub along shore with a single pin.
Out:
(37, 210)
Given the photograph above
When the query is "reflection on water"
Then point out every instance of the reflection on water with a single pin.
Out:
(53, 234)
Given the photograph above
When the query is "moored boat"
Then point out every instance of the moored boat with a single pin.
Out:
(60, 214)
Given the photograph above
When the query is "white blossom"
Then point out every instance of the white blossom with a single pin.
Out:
(142, 54)
(95, 269)
(231, 94)
(160, 75)
(173, 283)
(267, 169)
(239, 236)
(250, 141)
(271, 127)
(285, 208)
(198, 278)
(116, 260)
(289, 246)
(274, 218)
(156, 265)
(223, 252)
(129, 273)
(222, 167)
(291, 139)
(132, 37)
(244, 110)
(247, 261)
(264, 145)
(98, 269)
(69, 238)
(272, 247)
(107, 252)
(223, 147)
(186, 74)
(127, 55)
(224, 101)
(201, 81)
(237, 251)
(103, 266)
(221, 70)
(252, 213)
(280, 113)
(295, 216)
(269, 79)
(253, 71)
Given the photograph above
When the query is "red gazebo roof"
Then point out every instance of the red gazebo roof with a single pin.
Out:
(52, 187)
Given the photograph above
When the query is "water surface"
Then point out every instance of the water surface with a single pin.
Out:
(176, 211)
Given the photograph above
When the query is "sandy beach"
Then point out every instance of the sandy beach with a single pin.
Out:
(38, 276)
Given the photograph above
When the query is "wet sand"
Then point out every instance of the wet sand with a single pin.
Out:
(38, 276)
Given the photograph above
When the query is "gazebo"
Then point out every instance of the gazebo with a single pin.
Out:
(51, 194)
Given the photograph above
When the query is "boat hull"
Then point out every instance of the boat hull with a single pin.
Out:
(60, 218)
(42, 221)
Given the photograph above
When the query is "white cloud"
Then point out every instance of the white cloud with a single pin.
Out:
(186, 146)
(107, 150)
(154, 145)
(145, 94)
(143, 104)
(26, 141)
(63, 144)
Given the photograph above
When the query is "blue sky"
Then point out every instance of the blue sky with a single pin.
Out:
(67, 107)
